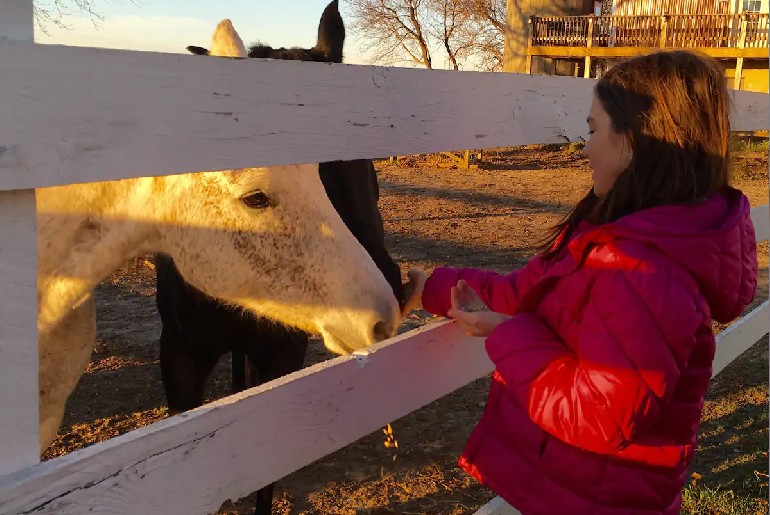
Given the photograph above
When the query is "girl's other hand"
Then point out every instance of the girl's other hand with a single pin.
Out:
(471, 313)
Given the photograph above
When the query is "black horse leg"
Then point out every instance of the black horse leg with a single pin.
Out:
(238, 371)
(184, 371)
(264, 504)
(284, 353)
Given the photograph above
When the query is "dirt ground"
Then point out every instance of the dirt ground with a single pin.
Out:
(490, 217)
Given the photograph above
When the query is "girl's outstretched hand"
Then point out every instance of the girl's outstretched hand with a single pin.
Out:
(471, 313)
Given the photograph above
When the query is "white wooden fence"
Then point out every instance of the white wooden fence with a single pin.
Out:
(70, 115)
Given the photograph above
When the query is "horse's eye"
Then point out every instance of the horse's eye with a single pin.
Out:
(256, 200)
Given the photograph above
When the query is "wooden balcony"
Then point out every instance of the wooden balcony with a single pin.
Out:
(728, 35)
(723, 36)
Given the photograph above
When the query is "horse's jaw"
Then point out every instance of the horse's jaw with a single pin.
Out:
(343, 329)
(335, 329)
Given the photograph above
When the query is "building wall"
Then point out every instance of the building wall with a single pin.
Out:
(754, 77)
(518, 14)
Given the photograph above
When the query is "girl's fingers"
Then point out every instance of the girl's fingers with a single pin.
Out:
(458, 314)
(454, 299)
(462, 292)
(467, 321)
(459, 296)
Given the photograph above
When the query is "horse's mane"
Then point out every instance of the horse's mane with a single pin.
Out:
(261, 51)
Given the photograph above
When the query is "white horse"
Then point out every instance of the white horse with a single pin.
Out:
(264, 239)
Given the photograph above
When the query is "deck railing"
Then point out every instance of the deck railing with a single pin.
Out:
(723, 36)
(679, 30)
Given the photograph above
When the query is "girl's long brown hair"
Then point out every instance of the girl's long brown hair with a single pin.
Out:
(673, 106)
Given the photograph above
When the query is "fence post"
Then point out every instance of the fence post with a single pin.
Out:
(589, 44)
(741, 44)
(19, 391)
(663, 30)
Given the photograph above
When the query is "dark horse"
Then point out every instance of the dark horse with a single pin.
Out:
(198, 330)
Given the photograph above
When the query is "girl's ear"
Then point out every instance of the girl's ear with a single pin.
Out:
(627, 152)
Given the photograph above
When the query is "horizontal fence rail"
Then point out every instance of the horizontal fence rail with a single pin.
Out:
(125, 120)
(248, 440)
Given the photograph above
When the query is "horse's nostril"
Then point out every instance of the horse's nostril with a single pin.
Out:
(381, 331)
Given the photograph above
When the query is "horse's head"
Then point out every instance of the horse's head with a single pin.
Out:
(328, 47)
(350, 185)
(270, 241)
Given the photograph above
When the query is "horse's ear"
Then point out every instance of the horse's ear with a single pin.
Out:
(225, 42)
(331, 33)
(198, 50)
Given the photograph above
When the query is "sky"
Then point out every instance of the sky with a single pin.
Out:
(171, 25)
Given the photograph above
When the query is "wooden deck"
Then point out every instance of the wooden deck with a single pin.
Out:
(722, 36)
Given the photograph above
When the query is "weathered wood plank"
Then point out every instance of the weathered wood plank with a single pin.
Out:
(736, 339)
(144, 113)
(19, 442)
(497, 506)
(17, 20)
(19, 446)
(231, 447)
(760, 217)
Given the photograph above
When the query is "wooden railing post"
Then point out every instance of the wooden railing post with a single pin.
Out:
(19, 391)
(741, 44)
(530, 30)
(589, 44)
(663, 30)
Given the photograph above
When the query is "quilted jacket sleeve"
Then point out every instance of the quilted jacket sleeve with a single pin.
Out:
(636, 331)
(500, 292)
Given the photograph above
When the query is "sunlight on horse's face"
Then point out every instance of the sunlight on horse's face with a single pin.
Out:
(269, 240)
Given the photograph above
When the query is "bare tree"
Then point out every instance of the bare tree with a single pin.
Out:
(489, 28)
(449, 22)
(469, 31)
(392, 28)
(55, 12)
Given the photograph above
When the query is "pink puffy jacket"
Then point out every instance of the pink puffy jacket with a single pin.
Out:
(601, 372)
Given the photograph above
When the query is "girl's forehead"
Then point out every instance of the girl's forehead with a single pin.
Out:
(596, 112)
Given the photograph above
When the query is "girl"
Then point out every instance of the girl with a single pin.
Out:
(602, 343)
